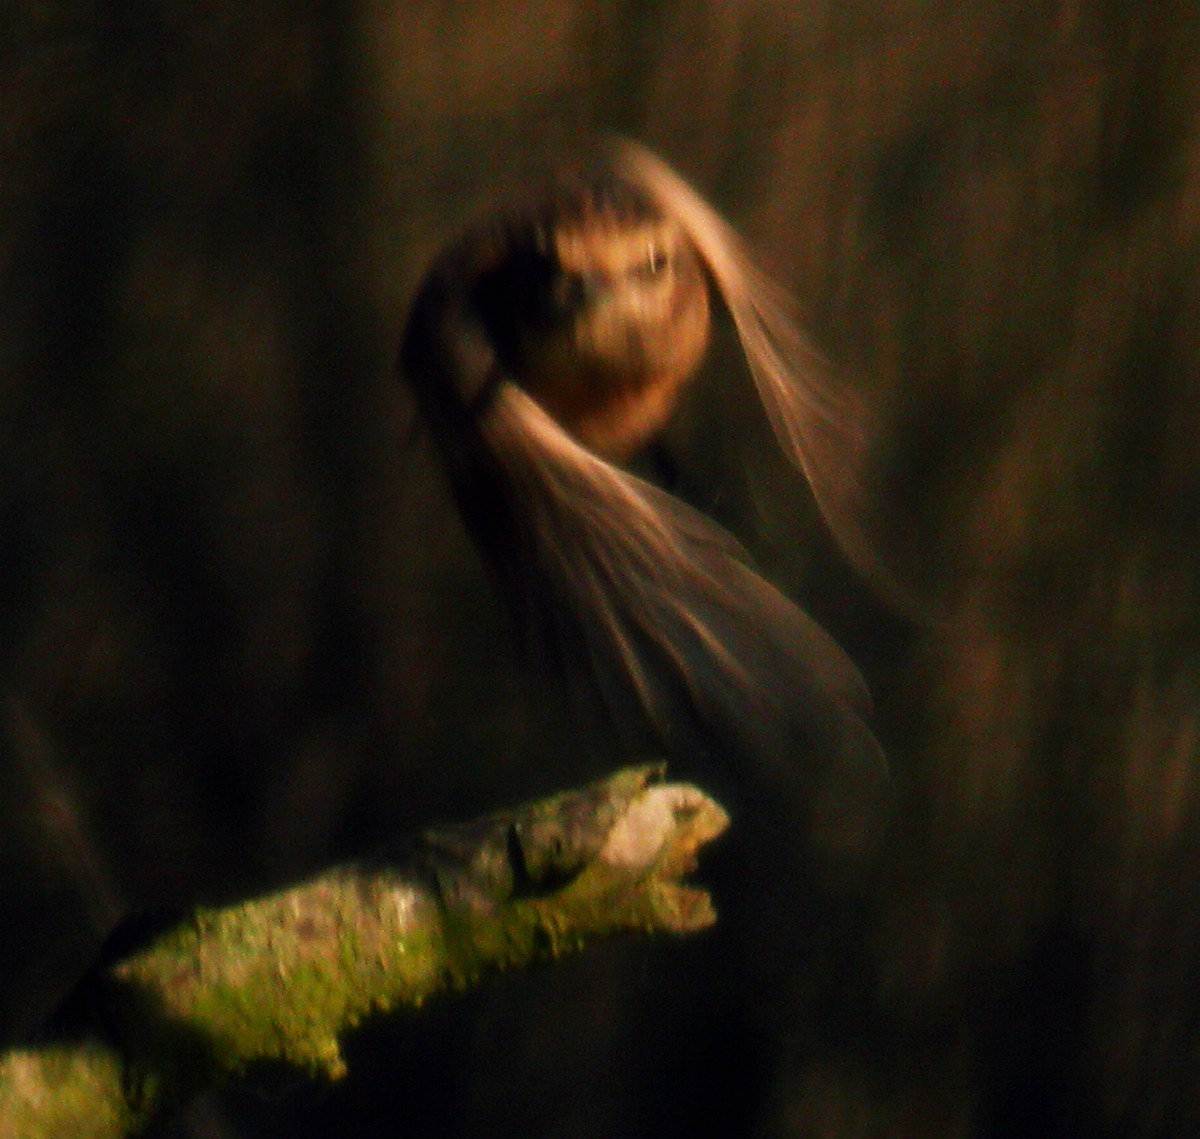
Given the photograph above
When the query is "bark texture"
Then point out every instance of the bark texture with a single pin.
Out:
(279, 980)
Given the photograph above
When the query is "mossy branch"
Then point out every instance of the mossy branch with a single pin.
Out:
(280, 980)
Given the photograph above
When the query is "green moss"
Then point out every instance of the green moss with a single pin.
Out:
(70, 1089)
(280, 979)
(248, 993)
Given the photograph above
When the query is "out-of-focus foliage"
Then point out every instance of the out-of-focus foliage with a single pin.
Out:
(242, 632)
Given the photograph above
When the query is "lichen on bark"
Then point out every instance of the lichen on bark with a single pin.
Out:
(280, 980)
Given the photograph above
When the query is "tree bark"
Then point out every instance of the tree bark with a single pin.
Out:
(279, 980)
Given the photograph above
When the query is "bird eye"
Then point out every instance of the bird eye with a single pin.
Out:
(654, 263)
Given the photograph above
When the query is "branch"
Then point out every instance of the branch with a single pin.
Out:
(279, 980)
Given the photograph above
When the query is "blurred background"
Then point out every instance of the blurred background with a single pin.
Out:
(243, 634)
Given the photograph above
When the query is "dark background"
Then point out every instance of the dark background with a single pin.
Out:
(242, 632)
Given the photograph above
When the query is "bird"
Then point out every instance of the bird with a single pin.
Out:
(548, 345)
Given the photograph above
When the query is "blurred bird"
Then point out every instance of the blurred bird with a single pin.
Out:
(552, 341)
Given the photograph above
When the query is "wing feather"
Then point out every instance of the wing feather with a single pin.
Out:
(822, 427)
(669, 615)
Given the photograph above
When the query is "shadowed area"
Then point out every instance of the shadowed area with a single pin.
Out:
(244, 634)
